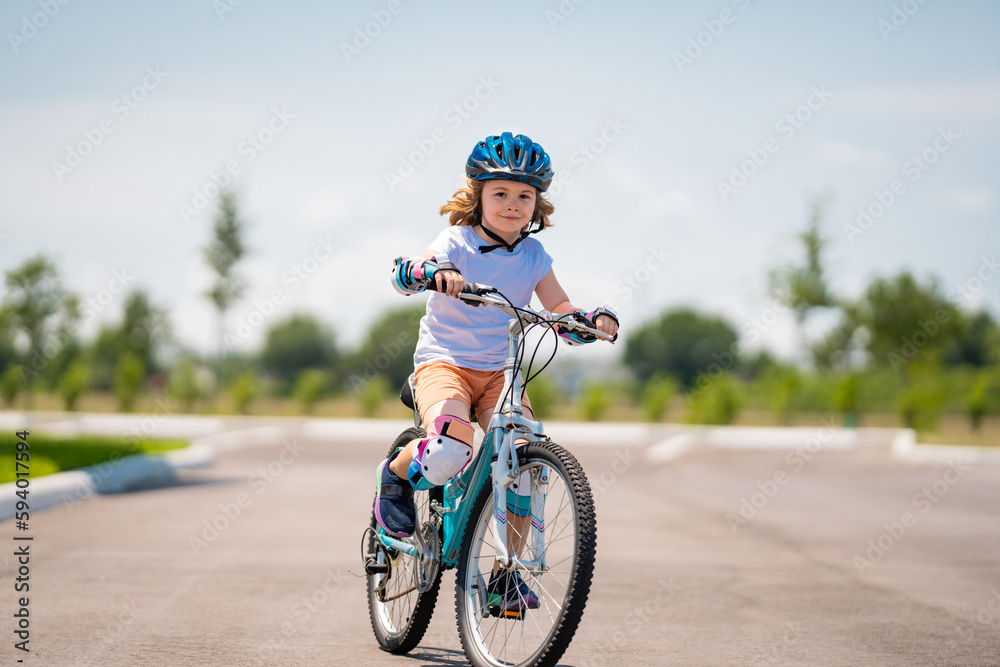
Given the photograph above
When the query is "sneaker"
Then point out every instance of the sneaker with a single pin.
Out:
(394, 508)
(508, 593)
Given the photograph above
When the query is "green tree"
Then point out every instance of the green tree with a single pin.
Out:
(309, 388)
(976, 341)
(35, 295)
(803, 288)
(682, 343)
(295, 344)
(225, 250)
(904, 318)
(129, 377)
(144, 329)
(388, 348)
(70, 349)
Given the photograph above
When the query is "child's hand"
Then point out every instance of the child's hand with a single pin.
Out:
(607, 325)
(449, 282)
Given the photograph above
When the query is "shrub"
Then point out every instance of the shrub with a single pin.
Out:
(243, 391)
(373, 394)
(11, 384)
(656, 397)
(594, 401)
(184, 386)
(309, 388)
(920, 405)
(72, 384)
(544, 395)
(716, 402)
(129, 375)
(845, 399)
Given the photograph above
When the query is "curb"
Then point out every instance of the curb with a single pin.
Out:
(905, 446)
(132, 473)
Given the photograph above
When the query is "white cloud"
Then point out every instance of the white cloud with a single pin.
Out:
(967, 200)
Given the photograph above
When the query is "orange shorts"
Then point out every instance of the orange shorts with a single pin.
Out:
(437, 381)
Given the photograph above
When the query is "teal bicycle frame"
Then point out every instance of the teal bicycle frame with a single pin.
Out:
(509, 426)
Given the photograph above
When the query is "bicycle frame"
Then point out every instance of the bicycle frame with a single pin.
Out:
(509, 426)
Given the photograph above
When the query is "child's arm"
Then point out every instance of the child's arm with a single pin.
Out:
(555, 300)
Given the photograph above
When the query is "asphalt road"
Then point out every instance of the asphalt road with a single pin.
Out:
(847, 558)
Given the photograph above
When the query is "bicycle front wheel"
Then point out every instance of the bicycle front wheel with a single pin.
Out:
(564, 538)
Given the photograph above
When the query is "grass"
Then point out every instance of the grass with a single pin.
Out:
(51, 454)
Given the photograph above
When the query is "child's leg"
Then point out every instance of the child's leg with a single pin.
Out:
(452, 406)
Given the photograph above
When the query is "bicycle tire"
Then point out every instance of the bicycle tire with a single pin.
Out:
(414, 614)
(554, 639)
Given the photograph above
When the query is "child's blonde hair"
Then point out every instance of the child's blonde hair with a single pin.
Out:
(464, 206)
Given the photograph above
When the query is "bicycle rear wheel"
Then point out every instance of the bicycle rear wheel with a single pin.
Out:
(568, 541)
(399, 612)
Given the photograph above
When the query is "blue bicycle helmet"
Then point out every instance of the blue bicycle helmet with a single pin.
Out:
(511, 158)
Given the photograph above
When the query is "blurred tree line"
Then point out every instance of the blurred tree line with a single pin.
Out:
(904, 346)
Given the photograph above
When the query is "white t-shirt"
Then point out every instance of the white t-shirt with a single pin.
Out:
(476, 337)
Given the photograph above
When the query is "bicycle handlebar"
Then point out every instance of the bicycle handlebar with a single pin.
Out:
(475, 294)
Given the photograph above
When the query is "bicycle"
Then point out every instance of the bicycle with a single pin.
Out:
(465, 525)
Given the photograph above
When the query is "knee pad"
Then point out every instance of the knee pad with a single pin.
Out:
(443, 454)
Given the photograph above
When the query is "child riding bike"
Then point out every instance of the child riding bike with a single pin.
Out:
(461, 349)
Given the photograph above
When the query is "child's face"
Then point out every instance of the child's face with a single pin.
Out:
(508, 205)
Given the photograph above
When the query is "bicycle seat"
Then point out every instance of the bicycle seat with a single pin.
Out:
(406, 394)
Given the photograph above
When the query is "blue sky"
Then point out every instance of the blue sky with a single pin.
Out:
(641, 139)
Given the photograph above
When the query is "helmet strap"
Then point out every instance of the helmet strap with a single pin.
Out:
(501, 243)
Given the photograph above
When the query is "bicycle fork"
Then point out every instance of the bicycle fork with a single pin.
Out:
(505, 471)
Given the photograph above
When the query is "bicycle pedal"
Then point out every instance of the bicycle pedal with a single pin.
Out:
(513, 614)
